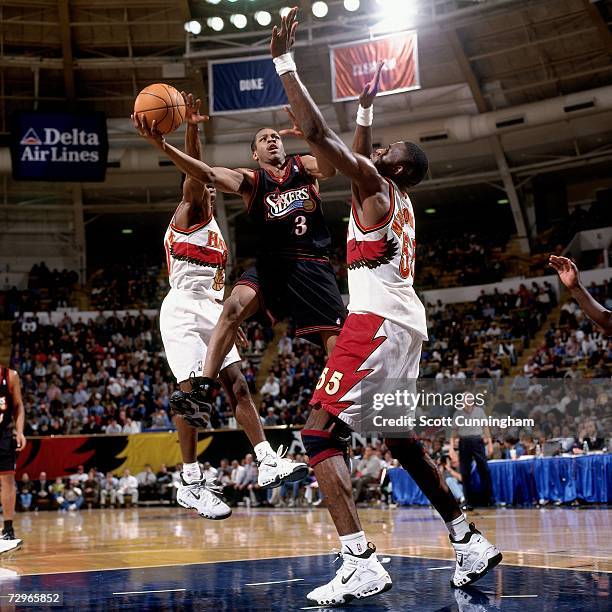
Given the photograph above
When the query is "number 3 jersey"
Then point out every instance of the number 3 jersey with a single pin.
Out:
(287, 215)
(380, 261)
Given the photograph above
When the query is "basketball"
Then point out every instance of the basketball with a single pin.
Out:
(161, 103)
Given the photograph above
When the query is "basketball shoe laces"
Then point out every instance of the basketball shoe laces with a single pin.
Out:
(209, 485)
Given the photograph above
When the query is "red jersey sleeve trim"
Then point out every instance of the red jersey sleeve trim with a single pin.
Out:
(255, 187)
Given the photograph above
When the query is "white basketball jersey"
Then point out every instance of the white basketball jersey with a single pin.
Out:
(196, 258)
(380, 264)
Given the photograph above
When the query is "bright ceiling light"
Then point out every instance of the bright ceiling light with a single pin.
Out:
(395, 15)
(319, 9)
(213, 1)
(263, 18)
(351, 5)
(216, 23)
(284, 11)
(239, 20)
(193, 27)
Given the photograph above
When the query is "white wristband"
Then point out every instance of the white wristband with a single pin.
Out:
(284, 63)
(365, 116)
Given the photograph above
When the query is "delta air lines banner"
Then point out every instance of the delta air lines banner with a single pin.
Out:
(59, 147)
(240, 85)
(354, 64)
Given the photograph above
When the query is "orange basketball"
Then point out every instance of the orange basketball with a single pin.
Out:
(161, 103)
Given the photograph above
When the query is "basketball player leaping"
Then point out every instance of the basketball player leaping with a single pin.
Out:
(381, 340)
(12, 420)
(196, 256)
(292, 275)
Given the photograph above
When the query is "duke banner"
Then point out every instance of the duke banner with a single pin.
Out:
(59, 147)
(354, 64)
(240, 85)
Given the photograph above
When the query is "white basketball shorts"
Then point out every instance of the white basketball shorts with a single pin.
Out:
(186, 322)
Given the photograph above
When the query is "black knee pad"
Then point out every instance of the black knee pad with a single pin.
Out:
(333, 441)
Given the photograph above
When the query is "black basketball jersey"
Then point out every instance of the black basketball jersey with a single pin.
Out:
(287, 213)
(6, 400)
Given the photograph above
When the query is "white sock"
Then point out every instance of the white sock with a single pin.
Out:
(262, 449)
(354, 543)
(458, 528)
(191, 472)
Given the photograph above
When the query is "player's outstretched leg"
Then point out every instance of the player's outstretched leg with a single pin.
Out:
(361, 574)
(475, 555)
(274, 468)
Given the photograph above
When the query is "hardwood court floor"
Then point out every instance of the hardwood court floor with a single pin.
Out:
(145, 537)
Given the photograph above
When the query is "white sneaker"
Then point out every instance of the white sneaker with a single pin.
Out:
(204, 497)
(7, 546)
(274, 469)
(360, 576)
(475, 557)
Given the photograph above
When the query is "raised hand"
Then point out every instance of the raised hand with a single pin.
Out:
(151, 132)
(366, 98)
(296, 130)
(284, 37)
(566, 269)
(192, 109)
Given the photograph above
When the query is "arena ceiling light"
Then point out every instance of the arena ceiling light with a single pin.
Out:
(193, 27)
(213, 1)
(284, 11)
(263, 18)
(395, 15)
(502, 201)
(216, 23)
(351, 5)
(430, 211)
(239, 20)
(320, 9)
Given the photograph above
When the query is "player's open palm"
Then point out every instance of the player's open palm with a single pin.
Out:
(295, 130)
(192, 109)
(366, 99)
(566, 269)
(284, 37)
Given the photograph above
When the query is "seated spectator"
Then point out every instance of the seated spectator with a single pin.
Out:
(128, 485)
(147, 483)
(164, 483)
(26, 491)
(56, 491)
(452, 478)
(160, 420)
(41, 491)
(73, 497)
(108, 490)
(79, 477)
(91, 489)
(367, 471)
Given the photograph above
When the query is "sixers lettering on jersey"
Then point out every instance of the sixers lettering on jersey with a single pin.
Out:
(287, 215)
(280, 204)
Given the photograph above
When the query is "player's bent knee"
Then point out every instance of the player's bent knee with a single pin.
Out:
(240, 389)
(321, 445)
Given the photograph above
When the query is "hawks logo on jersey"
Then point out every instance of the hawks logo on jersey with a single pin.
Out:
(200, 255)
(369, 253)
(279, 203)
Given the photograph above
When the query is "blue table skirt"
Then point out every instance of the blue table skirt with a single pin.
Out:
(526, 481)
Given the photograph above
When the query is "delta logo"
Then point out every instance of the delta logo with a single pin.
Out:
(282, 203)
(59, 146)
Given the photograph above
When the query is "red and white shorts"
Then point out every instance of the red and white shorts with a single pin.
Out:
(370, 352)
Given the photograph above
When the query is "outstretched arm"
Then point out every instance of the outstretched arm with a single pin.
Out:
(324, 142)
(229, 181)
(318, 167)
(362, 141)
(570, 277)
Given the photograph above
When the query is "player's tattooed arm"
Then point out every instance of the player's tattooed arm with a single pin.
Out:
(239, 181)
(369, 186)
(362, 141)
(570, 277)
(319, 168)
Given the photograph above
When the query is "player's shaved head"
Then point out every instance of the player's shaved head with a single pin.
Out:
(403, 162)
